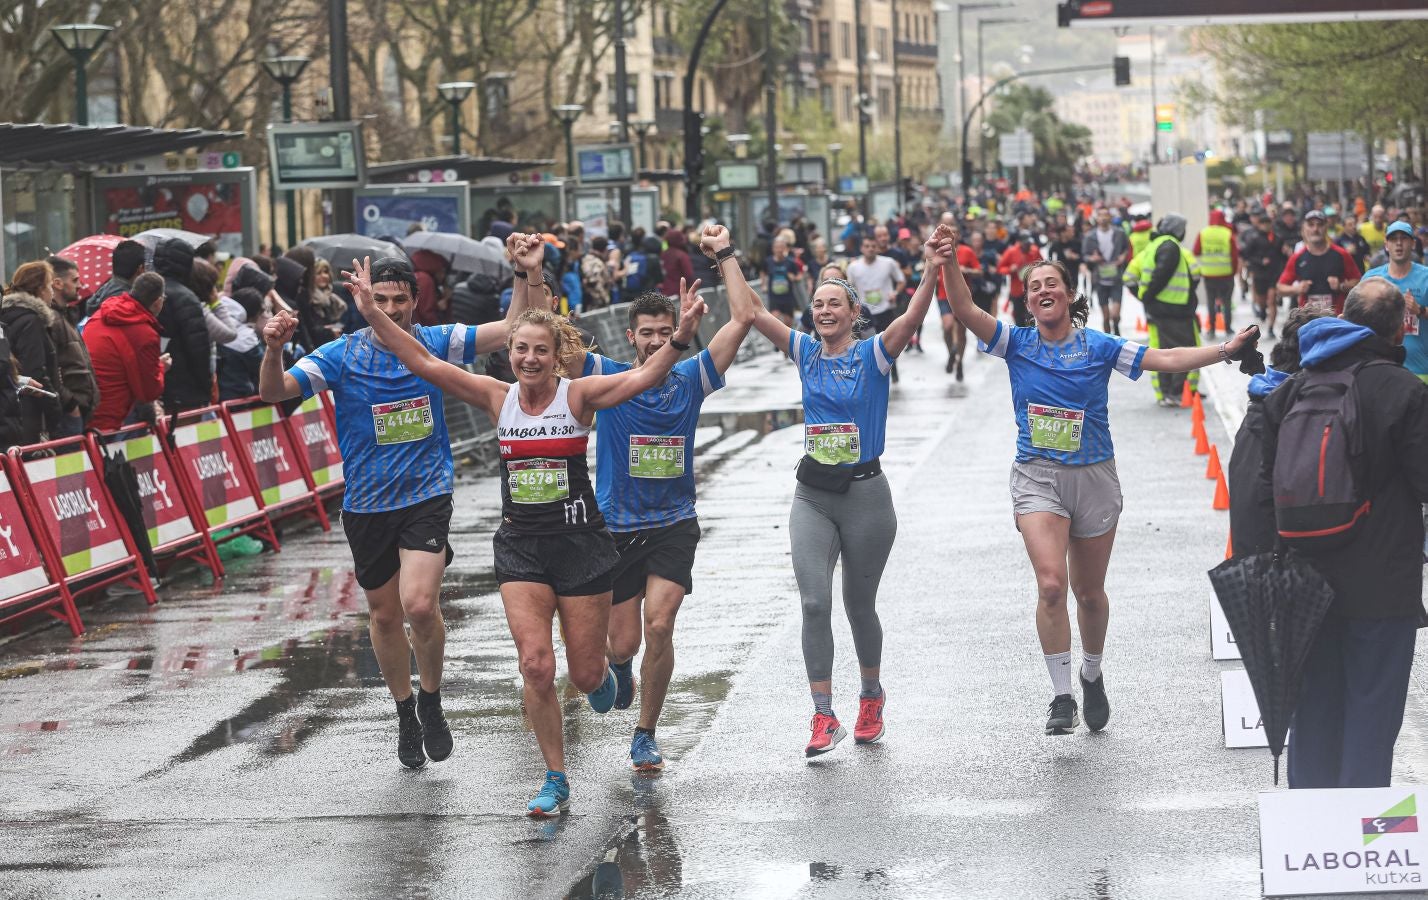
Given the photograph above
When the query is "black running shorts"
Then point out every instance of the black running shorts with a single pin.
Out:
(667, 552)
(376, 538)
(572, 563)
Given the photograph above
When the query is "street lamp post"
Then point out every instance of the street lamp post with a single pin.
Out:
(285, 70)
(455, 94)
(643, 127)
(770, 115)
(567, 113)
(859, 52)
(80, 41)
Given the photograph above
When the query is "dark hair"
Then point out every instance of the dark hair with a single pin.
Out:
(304, 257)
(599, 244)
(1380, 308)
(1080, 306)
(250, 300)
(147, 288)
(62, 266)
(264, 263)
(206, 250)
(203, 279)
(128, 259)
(651, 303)
(1285, 355)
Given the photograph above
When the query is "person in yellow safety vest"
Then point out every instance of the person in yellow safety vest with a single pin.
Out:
(1219, 258)
(1139, 236)
(1166, 273)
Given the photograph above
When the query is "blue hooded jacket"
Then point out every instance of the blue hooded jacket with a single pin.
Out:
(1264, 383)
(1327, 337)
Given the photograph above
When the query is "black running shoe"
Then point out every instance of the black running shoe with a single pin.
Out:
(409, 736)
(624, 683)
(1098, 708)
(1063, 719)
(435, 733)
(959, 370)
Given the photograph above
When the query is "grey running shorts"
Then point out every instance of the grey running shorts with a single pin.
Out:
(1090, 496)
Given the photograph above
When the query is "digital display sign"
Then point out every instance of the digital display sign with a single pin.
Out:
(317, 155)
(605, 163)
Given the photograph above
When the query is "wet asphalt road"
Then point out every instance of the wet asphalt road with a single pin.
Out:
(240, 743)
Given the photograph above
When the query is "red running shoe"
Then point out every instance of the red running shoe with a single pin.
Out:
(826, 735)
(870, 719)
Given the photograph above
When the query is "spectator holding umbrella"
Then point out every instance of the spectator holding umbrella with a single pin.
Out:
(128, 262)
(1355, 681)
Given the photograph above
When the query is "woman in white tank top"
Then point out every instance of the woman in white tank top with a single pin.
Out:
(553, 553)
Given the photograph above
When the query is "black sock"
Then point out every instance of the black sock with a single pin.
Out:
(648, 731)
(407, 707)
(425, 698)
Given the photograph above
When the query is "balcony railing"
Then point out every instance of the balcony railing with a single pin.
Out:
(907, 48)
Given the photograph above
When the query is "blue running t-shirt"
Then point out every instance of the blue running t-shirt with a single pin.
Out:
(1059, 391)
(644, 449)
(845, 399)
(391, 427)
(1415, 331)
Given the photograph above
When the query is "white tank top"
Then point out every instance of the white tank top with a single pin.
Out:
(545, 476)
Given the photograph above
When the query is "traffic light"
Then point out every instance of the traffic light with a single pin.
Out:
(1122, 71)
(693, 144)
(1165, 117)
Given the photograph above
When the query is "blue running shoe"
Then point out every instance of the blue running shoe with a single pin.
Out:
(553, 798)
(624, 683)
(603, 697)
(644, 753)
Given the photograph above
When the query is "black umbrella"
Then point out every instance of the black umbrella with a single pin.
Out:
(1274, 604)
(123, 487)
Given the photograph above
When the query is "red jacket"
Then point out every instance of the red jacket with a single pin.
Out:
(123, 342)
(1013, 261)
(430, 276)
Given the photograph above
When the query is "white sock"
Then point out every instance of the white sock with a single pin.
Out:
(1058, 665)
(1091, 666)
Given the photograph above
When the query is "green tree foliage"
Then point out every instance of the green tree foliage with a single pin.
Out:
(1060, 146)
(733, 55)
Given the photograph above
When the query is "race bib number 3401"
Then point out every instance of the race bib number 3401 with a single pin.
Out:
(1054, 428)
(402, 421)
(656, 456)
(833, 444)
(538, 480)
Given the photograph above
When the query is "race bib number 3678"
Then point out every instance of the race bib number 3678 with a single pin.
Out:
(538, 480)
(402, 421)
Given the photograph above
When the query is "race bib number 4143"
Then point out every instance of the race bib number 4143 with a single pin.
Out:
(402, 421)
(656, 456)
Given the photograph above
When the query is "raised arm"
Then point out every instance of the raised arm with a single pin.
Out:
(604, 391)
(959, 296)
(491, 336)
(481, 391)
(275, 384)
(939, 254)
(743, 301)
(1184, 359)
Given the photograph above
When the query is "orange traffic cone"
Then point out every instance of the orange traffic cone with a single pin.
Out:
(1220, 322)
(1214, 465)
(1222, 491)
(1185, 393)
(1202, 440)
(1139, 325)
(1197, 414)
(1230, 545)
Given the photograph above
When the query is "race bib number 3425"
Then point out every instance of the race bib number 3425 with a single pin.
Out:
(833, 444)
(402, 421)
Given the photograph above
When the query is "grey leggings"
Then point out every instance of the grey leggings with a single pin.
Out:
(860, 526)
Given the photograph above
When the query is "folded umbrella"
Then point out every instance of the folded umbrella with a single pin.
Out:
(1274, 604)
(465, 254)
(123, 484)
(341, 249)
(95, 257)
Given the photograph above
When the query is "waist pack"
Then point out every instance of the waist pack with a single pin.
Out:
(1321, 483)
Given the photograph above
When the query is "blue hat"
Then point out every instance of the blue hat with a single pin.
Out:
(1399, 228)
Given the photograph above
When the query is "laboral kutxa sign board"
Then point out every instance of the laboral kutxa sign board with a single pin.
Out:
(310, 427)
(165, 516)
(260, 432)
(76, 511)
(21, 569)
(209, 458)
(1344, 841)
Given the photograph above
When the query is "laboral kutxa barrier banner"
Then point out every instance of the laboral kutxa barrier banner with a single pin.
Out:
(260, 433)
(75, 509)
(161, 503)
(1344, 841)
(311, 428)
(21, 568)
(209, 458)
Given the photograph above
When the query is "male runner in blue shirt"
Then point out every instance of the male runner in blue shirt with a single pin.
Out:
(645, 486)
(397, 464)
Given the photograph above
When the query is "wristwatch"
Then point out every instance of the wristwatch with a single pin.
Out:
(678, 346)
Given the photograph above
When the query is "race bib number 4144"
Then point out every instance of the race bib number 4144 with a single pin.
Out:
(402, 421)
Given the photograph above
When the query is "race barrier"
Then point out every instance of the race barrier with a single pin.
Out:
(201, 478)
(74, 520)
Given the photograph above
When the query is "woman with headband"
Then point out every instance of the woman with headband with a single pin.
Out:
(842, 507)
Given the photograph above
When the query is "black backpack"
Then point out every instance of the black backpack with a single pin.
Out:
(1321, 481)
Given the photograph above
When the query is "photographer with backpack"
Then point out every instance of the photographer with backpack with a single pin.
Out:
(1345, 441)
